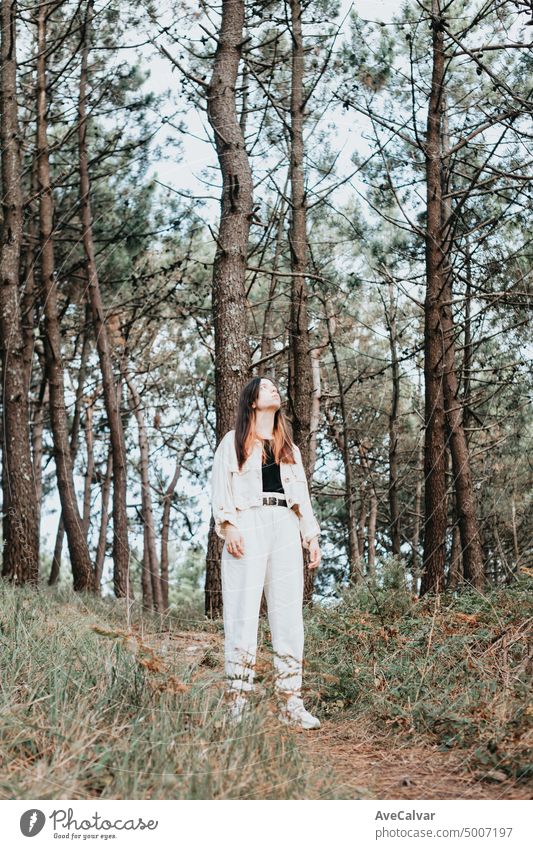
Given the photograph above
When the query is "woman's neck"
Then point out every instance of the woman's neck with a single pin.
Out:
(264, 424)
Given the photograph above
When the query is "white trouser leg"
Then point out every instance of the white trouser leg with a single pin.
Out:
(242, 587)
(284, 585)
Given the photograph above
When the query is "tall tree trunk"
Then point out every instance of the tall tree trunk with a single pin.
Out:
(354, 550)
(269, 370)
(165, 530)
(30, 296)
(74, 434)
(89, 470)
(37, 443)
(146, 572)
(465, 500)
(455, 574)
(165, 522)
(79, 554)
(232, 351)
(121, 552)
(393, 424)
(146, 496)
(21, 525)
(372, 524)
(361, 524)
(435, 504)
(104, 519)
(300, 384)
(417, 514)
(467, 356)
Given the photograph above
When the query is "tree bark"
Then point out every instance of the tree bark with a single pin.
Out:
(121, 551)
(417, 515)
(104, 519)
(393, 426)
(300, 383)
(229, 303)
(354, 550)
(372, 523)
(74, 434)
(89, 471)
(37, 443)
(21, 525)
(269, 370)
(465, 500)
(79, 555)
(435, 503)
(146, 497)
(165, 522)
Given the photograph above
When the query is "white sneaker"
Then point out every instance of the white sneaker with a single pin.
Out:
(236, 708)
(294, 713)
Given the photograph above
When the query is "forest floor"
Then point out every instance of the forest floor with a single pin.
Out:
(418, 699)
(366, 765)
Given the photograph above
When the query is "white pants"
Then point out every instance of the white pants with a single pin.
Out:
(272, 559)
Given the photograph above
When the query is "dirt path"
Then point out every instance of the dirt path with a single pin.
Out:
(370, 769)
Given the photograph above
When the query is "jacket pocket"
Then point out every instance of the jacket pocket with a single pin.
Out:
(242, 485)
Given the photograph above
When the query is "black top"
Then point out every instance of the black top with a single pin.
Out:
(271, 472)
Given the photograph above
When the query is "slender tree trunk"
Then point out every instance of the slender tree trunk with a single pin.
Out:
(467, 357)
(372, 524)
(300, 384)
(232, 351)
(435, 518)
(37, 443)
(418, 499)
(361, 524)
(165, 522)
(30, 295)
(516, 549)
(79, 554)
(121, 552)
(104, 519)
(146, 572)
(89, 471)
(74, 442)
(455, 574)
(165, 530)
(269, 370)
(354, 549)
(393, 426)
(21, 525)
(472, 551)
(146, 496)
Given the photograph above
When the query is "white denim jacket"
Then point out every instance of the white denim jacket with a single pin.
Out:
(233, 489)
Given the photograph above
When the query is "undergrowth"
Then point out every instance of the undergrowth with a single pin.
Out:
(454, 669)
(93, 708)
(96, 704)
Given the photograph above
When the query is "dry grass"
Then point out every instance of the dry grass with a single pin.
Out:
(417, 700)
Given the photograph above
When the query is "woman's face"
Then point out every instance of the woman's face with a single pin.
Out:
(268, 397)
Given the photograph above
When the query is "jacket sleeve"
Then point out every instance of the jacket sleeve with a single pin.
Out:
(222, 504)
(309, 526)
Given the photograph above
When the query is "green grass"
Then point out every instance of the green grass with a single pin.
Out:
(456, 670)
(93, 709)
(91, 713)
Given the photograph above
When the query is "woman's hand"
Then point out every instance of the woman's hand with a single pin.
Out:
(315, 554)
(234, 541)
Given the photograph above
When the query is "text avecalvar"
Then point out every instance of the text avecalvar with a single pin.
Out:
(404, 815)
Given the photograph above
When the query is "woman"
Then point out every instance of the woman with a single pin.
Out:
(263, 512)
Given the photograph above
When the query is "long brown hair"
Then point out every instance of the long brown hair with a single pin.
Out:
(245, 433)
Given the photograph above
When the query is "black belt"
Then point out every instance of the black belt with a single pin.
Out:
(275, 500)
